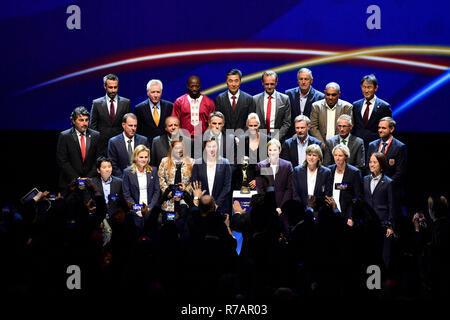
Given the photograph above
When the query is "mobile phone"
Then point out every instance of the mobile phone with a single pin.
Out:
(171, 216)
(178, 194)
(340, 186)
(137, 207)
(51, 197)
(30, 195)
(81, 182)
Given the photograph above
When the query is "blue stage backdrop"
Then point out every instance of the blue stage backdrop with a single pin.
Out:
(55, 53)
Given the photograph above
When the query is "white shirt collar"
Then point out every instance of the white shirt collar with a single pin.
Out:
(300, 92)
(230, 95)
(126, 138)
(273, 95)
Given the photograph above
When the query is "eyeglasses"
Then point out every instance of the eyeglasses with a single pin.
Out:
(340, 126)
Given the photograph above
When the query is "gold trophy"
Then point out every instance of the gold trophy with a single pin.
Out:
(244, 187)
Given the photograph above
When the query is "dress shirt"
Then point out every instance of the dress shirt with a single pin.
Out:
(106, 188)
(331, 122)
(273, 107)
(301, 149)
(211, 174)
(158, 107)
(337, 192)
(274, 170)
(374, 183)
(346, 139)
(364, 106)
(108, 104)
(230, 97)
(303, 100)
(312, 177)
(79, 138)
(126, 141)
(142, 180)
(195, 109)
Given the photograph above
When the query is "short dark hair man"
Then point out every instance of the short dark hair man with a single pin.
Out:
(234, 103)
(152, 112)
(107, 112)
(368, 112)
(121, 147)
(77, 149)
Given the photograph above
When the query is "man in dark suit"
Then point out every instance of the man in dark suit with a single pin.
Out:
(367, 112)
(395, 152)
(121, 147)
(294, 148)
(107, 112)
(226, 142)
(234, 103)
(152, 112)
(107, 184)
(357, 156)
(303, 96)
(77, 149)
(273, 108)
(161, 144)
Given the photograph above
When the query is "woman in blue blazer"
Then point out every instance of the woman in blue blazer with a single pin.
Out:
(313, 171)
(346, 182)
(214, 174)
(140, 180)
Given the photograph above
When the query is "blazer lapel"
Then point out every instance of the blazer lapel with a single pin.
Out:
(296, 105)
(75, 140)
(373, 116)
(104, 109)
(204, 175)
(88, 141)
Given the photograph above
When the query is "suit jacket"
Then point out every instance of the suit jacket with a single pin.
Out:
(68, 156)
(282, 114)
(118, 153)
(352, 177)
(160, 148)
(382, 199)
(357, 154)
(116, 186)
(146, 125)
(236, 119)
(289, 150)
(319, 117)
(281, 183)
(182, 110)
(294, 98)
(101, 121)
(130, 186)
(300, 183)
(396, 161)
(222, 182)
(369, 132)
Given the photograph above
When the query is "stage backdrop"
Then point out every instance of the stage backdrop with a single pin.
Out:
(55, 53)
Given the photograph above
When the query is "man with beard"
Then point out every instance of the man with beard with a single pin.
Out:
(294, 148)
(107, 112)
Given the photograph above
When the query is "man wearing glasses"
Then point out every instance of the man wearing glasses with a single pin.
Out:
(325, 112)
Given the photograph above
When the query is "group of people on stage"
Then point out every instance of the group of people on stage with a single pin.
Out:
(305, 145)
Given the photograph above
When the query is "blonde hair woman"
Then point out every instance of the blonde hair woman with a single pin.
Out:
(140, 180)
(175, 172)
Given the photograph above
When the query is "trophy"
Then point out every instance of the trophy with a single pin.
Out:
(244, 187)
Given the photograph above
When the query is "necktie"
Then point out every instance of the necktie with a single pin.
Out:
(269, 111)
(383, 150)
(130, 150)
(83, 146)
(112, 113)
(234, 102)
(344, 142)
(155, 114)
(366, 113)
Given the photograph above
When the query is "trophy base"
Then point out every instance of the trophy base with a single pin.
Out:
(245, 190)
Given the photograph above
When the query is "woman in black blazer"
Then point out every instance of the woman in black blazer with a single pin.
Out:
(312, 168)
(346, 182)
(378, 193)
